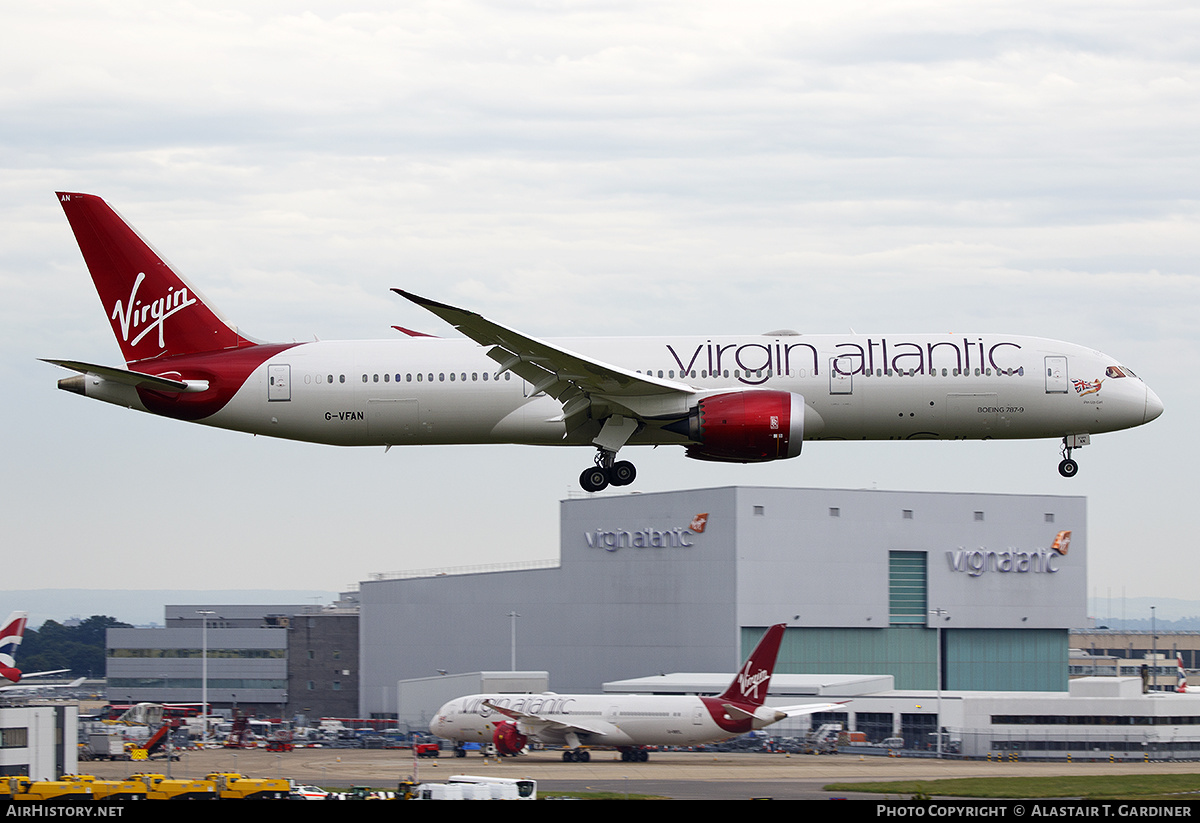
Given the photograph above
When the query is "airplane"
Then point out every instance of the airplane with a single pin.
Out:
(1180, 675)
(742, 399)
(12, 632)
(627, 722)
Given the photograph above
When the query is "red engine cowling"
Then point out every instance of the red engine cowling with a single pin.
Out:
(745, 427)
(507, 739)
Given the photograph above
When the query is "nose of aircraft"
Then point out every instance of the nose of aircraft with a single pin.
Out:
(1154, 406)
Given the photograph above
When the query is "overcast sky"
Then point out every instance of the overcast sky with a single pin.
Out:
(585, 168)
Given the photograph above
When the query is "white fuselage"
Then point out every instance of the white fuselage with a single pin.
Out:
(879, 387)
(624, 720)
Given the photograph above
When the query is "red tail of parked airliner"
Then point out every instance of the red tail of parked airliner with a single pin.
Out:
(10, 638)
(749, 688)
(153, 310)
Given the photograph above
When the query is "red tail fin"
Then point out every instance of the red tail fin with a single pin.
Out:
(153, 310)
(11, 633)
(750, 685)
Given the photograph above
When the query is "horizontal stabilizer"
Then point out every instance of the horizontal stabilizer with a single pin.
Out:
(27, 675)
(810, 708)
(132, 378)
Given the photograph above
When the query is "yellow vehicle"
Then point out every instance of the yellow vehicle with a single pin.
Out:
(161, 787)
(233, 786)
(109, 791)
(21, 788)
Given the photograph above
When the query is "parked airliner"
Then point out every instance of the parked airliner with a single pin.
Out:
(626, 722)
(744, 399)
(12, 632)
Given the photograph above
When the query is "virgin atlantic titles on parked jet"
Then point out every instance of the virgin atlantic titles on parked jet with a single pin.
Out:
(626, 722)
(741, 399)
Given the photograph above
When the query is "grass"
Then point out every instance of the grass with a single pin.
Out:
(1091, 787)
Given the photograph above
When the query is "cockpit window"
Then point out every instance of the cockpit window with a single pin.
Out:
(1114, 371)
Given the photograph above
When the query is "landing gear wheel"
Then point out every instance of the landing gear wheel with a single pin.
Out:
(594, 479)
(1068, 468)
(622, 473)
(583, 756)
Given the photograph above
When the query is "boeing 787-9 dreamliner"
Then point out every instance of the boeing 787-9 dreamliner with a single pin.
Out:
(628, 723)
(740, 399)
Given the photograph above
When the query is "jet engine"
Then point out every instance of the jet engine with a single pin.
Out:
(507, 739)
(744, 427)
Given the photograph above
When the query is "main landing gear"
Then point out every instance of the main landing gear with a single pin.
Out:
(576, 755)
(1068, 467)
(607, 472)
(634, 756)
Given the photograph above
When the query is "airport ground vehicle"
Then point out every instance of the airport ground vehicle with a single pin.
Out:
(110, 791)
(234, 786)
(823, 740)
(161, 787)
(21, 788)
(103, 746)
(470, 787)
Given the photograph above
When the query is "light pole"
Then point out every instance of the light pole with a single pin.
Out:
(1153, 651)
(204, 615)
(939, 615)
(512, 662)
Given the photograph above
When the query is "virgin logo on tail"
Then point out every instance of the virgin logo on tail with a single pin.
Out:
(748, 683)
(135, 313)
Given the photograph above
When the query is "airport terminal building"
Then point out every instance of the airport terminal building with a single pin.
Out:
(983, 588)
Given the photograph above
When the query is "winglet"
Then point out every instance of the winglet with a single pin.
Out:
(412, 333)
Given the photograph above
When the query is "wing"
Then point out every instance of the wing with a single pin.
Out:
(536, 724)
(36, 687)
(588, 389)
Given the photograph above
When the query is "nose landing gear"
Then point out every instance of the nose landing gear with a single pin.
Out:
(1068, 467)
(607, 472)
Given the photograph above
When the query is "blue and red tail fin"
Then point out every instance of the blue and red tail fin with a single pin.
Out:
(153, 310)
(10, 638)
(749, 688)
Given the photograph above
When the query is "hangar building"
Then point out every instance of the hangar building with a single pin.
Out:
(686, 581)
